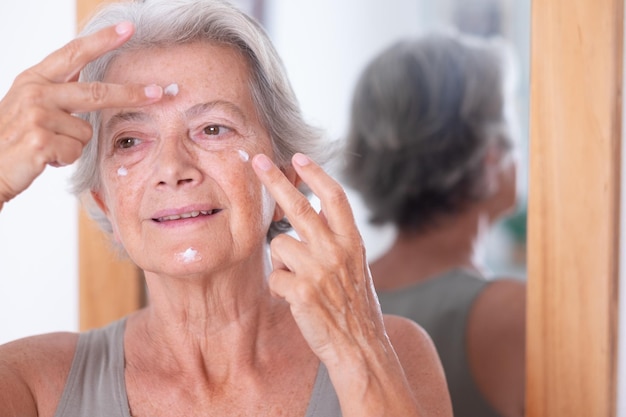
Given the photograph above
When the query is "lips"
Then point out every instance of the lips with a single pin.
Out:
(187, 215)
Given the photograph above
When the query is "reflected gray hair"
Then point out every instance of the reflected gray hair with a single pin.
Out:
(424, 113)
(166, 23)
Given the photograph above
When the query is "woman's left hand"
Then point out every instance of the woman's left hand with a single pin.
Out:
(325, 278)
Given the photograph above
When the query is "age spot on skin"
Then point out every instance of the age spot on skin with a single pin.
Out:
(189, 255)
(122, 171)
(243, 155)
(171, 90)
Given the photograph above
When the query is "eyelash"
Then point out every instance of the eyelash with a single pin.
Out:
(216, 130)
(120, 143)
(128, 142)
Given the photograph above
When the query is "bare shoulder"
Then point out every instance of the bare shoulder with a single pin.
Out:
(405, 334)
(33, 371)
(501, 307)
(496, 341)
(421, 364)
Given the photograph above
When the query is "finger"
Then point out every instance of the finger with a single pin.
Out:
(333, 199)
(63, 150)
(64, 64)
(61, 123)
(288, 253)
(296, 206)
(57, 150)
(85, 97)
(280, 282)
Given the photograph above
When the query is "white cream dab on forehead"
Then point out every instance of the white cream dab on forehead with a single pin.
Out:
(243, 155)
(171, 90)
(122, 171)
(189, 255)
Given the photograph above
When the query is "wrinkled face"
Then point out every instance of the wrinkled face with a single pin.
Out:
(177, 184)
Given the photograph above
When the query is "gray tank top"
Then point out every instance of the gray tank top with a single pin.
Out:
(441, 306)
(95, 386)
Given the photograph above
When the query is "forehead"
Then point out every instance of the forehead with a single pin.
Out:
(200, 67)
(204, 73)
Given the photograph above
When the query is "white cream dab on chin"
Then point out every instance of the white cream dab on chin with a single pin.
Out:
(171, 90)
(189, 255)
(122, 171)
(243, 155)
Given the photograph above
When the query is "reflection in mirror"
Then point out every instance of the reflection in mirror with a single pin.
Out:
(325, 45)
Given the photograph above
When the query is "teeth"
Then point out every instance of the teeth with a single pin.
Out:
(186, 215)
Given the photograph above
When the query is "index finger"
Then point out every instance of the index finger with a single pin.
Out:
(64, 64)
(337, 217)
(336, 209)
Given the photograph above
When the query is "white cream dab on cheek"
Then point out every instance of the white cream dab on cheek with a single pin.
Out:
(189, 255)
(243, 155)
(171, 90)
(122, 171)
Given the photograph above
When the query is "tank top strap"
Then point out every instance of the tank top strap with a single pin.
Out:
(95, 385)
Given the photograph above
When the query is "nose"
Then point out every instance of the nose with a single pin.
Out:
(175, 163)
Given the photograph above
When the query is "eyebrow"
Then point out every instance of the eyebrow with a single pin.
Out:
(194, 111)
(201, 108)
(125, 116)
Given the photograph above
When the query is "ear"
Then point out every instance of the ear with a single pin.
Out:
(99, 201)
(102, 206)
(491, 169)
(293, 178)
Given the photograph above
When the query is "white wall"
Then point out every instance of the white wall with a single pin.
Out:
(38, 244)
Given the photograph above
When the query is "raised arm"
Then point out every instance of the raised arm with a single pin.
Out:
(325, 278)
(37, 122)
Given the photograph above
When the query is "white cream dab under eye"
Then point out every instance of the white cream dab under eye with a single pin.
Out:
(122, 171)
(189, 255)
(243, 155)
(171, 90)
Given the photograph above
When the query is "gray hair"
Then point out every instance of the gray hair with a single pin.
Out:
(163, 23)
(424, 113)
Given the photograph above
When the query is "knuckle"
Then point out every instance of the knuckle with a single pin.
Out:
(336, 195)
(301, 207)
(32, 96)
(37, 139)
(98, 91)
(73, 50)
(335, 258)
(305, 292)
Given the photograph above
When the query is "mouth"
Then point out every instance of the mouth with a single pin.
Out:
(183, 216)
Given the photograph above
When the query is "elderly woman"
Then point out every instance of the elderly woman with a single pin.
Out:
(198, 148)
(429, 150)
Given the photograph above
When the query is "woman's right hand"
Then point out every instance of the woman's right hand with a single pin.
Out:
(37, 122)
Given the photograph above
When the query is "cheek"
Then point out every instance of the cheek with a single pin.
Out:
(122, 187)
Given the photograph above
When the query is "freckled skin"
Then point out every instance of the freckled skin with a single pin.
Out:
(175, 164)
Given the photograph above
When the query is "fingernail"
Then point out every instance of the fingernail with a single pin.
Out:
(123, 28)
(153, 91)
(301, 159)
(263, 162)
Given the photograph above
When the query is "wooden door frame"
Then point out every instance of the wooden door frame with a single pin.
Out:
(573, 223)
(573, 213)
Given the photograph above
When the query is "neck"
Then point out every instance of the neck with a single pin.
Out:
(226, 321)
(418, 256)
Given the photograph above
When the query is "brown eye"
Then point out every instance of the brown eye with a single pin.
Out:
(212, 130)
(125, 143)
